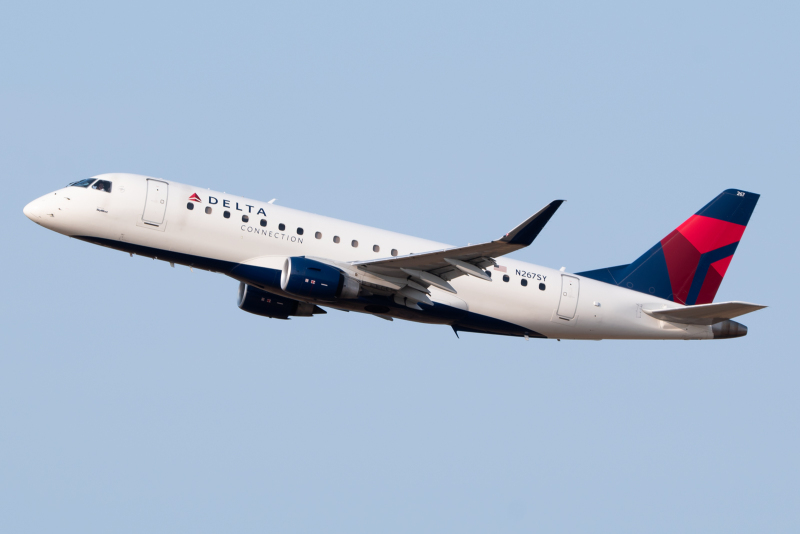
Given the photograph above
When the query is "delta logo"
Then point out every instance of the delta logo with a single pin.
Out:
(195, 198)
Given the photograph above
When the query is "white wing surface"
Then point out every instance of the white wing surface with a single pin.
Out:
(409, 277)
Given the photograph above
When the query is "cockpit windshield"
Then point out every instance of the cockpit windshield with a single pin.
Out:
(102, 185)
(82, 183)
(98, 185)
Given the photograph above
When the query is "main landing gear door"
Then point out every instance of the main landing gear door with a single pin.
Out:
(570, 287)
(155, 206)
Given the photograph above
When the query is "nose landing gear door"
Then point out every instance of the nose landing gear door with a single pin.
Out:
(155, 205)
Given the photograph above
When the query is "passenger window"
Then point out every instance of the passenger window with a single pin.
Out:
(336, 239)
(506, 278)
(102, 185)
(263, 222)
(208, 210)
(245, 218)
(299, 231)
(542, 287)
(489, 274)
(226, 214)
(190, 206)
(376, 248)
(82, 183)
(318, 235)
(524, 282)
(394, 252)
(354, 243)
(281, 227)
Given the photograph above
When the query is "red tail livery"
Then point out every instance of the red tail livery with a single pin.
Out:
(688, 265)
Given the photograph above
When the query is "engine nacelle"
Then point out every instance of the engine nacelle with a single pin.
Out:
(315, 280)
(260, 302)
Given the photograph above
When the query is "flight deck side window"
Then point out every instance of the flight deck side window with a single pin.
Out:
(208, 210)
(82, 183)
(263, 222)
(245, 218)
(102, 185)
(190, 206)
(226, 214)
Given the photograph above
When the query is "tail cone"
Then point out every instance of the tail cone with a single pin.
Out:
(727, 329)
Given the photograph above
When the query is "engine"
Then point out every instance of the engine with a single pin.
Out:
(315, 280)
(260, 302)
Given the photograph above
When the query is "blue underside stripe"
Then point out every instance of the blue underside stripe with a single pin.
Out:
(270, 279)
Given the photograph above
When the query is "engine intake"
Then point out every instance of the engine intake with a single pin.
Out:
(315, 280)
(260, 302)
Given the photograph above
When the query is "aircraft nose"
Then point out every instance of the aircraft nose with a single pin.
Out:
(33, 210)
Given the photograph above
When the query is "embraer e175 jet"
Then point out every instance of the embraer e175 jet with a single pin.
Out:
(289, 263)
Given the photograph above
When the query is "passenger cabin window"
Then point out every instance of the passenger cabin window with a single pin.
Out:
(208, 210)
(299, 231)
(82, 183)
(394, 252)
(354, 243)
(376, 248)
(226, 214)
(542, 287)
(336, 239)
(263, 222)
(281, 227)
(245, 218)
(506, 278)
(524, 282)
(190, 206)
(102, 185)
(318, 235)
(489, 274)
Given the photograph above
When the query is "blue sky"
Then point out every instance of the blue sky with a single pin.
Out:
(138, 397)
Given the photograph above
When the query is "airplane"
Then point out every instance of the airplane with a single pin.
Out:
(291, 263)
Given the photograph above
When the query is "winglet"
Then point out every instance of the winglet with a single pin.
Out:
(525, 233)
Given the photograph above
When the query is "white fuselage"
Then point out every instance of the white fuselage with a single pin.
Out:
(212, 241)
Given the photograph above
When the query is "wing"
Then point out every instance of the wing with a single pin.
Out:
(476, 255)
(706, 314)
(408, 277)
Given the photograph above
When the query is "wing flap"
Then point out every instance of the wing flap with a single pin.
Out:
(704, 314)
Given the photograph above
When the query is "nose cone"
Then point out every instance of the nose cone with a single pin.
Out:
(44, 211)
(33, 210)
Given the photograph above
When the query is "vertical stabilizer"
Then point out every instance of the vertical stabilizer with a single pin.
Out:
(688, 265)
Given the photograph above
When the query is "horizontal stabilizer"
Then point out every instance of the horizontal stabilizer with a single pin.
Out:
(704, 314)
